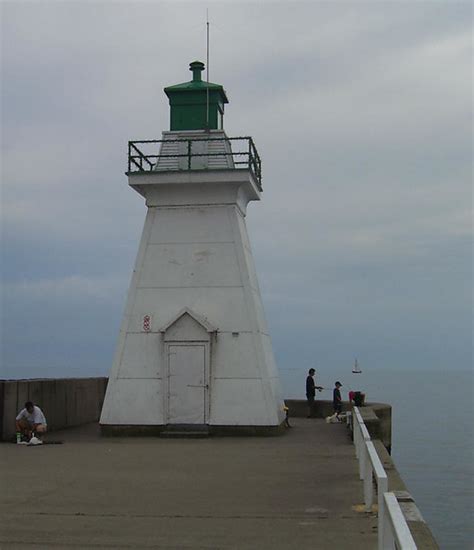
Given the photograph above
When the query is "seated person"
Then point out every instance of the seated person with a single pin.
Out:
(31, 421)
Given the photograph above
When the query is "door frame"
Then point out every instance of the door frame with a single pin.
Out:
(207, 362)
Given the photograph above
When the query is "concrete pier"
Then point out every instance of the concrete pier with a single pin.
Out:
(296, 491)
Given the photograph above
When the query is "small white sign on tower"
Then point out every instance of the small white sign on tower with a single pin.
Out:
(194, 349)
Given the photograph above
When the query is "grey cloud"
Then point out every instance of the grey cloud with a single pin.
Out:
(362, 115)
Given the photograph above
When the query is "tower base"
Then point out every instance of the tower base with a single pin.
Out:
(190, 430)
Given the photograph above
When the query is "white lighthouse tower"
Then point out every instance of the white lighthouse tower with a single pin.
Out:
(194, 351)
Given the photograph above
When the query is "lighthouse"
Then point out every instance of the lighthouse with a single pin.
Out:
(194, 352)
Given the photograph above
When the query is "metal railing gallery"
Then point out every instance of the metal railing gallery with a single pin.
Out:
(245, 155)
(393, 531)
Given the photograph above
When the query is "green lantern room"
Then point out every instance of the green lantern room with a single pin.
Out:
(196, 105)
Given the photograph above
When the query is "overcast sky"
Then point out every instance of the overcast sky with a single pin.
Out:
(361, 113)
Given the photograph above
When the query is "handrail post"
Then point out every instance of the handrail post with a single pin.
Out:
(189, 154)
(368, 484)
(360, 439)
(386, 539)
(396, 533)
(363, 456)
(349, 420)
(356, 433)
(382, 488)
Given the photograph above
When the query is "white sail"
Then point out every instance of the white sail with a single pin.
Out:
(355, 368)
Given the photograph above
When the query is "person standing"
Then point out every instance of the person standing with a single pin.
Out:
(311, 391)
(336, 398)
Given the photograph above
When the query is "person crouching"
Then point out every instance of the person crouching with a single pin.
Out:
(31, 421)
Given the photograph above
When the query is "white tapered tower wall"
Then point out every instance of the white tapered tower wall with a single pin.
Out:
(194, 303)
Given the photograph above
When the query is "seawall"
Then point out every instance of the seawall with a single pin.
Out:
(69, 402)
(66, 402)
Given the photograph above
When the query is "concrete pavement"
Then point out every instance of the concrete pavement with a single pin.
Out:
(299, 490)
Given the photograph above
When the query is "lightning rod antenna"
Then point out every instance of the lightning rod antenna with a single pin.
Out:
(207, 68)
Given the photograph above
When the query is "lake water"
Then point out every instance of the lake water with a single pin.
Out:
(432, 440)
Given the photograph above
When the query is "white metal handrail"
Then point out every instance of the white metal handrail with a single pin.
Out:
(371, 467)
(361, 435)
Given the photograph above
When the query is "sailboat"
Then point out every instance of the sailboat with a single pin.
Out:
(355, 368)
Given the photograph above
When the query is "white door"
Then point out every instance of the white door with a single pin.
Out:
(187, 384)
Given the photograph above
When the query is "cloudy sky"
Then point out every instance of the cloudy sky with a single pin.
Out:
(361, 113)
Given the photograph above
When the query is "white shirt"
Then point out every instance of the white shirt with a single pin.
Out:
(36, 417)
